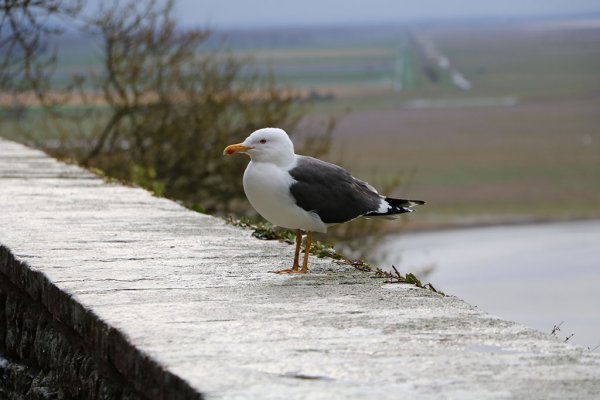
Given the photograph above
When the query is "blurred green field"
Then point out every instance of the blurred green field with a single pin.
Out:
(511, 59)
(523, 143)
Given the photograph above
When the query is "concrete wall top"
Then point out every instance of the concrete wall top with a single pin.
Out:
(183, 304)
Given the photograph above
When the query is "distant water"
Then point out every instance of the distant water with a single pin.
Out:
(538, 275)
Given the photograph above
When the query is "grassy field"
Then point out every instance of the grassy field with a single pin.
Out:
(522, 143)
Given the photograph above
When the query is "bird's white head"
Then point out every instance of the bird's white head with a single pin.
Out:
(271, 145)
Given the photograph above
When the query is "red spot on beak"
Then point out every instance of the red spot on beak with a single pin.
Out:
(235, 148)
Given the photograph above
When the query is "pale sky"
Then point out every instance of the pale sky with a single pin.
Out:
(277, 13)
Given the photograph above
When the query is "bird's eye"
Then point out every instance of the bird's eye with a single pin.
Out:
(263, 141)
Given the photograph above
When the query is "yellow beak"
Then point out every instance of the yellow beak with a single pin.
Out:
(236, 148)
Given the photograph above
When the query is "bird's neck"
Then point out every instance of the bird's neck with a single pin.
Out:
(280, 160)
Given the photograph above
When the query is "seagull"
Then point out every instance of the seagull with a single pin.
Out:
(304, 193)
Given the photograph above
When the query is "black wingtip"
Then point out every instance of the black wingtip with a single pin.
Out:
(397, 206)
(403, 203)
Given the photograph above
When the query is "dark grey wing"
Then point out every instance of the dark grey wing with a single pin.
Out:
(330, 191)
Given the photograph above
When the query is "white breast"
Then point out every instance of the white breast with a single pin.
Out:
(268, 189)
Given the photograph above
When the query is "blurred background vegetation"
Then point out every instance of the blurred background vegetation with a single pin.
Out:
(135, 96)
(490, 121)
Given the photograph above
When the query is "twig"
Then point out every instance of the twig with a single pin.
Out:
(594, 349)
(569, 337)
(556, 328)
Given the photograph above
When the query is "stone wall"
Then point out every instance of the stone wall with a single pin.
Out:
(43, 358)
(107, 292)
